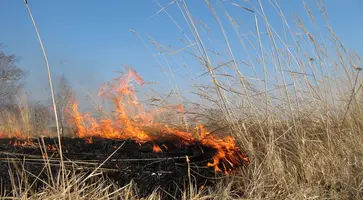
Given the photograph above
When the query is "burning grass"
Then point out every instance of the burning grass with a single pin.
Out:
(131, 121)
(153, 155)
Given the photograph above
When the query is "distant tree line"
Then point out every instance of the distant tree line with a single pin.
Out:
(10, 78)
(40, 116)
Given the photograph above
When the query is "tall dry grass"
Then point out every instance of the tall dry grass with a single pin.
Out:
(22, 120)
(291, 95)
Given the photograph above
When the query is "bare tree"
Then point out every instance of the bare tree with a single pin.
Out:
(40, 117)
(10, 78)
(64, 96)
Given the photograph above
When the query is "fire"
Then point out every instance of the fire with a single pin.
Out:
(17, 138)
(157, 149)
(15, 133)
(18, 143)
(51, 147)
(130, 121)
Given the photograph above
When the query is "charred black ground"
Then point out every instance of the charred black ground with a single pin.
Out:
(166, 170)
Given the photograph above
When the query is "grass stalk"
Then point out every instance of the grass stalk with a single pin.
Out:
(51, 92)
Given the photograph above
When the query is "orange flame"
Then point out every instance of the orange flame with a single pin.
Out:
(130, 121)
(157, 149)
(18, 143)
(15, 133)
(51, 147)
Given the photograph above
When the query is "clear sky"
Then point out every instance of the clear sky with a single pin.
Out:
(88, 40)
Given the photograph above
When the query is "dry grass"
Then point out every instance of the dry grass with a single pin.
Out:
(292, 100)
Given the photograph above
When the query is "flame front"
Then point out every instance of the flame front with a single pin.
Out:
(19, 143)
(16, 133)
(130, 121)
(18, 138)
(156, 148)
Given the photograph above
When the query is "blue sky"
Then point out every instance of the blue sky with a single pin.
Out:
(88, 40)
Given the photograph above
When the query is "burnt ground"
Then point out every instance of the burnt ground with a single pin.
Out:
(166, 170)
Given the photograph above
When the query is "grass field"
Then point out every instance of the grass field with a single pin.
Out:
(292, 101)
